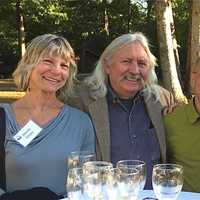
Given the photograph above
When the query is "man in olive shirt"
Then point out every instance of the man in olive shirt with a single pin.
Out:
(183, 136)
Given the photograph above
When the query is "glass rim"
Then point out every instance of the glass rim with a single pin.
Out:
(75, 169)
(140, 163)
(79, 153)
(103, 163)
(167, 165)
(132, 172)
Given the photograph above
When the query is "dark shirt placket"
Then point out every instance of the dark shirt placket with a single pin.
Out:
(132, 134)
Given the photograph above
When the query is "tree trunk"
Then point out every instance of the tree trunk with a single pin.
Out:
(174, 42)
(21, 30)
(167, 58)
(193, 50)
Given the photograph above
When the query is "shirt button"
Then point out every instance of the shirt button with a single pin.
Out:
(138, 157)
(152, 159)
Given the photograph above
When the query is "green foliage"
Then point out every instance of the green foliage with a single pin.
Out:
(79, 20)
(43, 17)
(8, 32)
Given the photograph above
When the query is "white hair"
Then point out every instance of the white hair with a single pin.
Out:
(97, 82)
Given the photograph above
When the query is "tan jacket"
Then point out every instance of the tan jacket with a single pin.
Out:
(98, 111)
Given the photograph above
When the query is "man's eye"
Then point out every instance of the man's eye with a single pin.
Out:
(142, 64)
(126, 61)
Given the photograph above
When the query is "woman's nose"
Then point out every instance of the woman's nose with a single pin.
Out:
(56, 68)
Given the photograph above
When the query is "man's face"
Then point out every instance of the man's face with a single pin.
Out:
(128, 68)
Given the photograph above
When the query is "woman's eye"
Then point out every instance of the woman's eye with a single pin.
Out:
(65, 66)
(47, 61)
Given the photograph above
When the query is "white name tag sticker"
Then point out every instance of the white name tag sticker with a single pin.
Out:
(27, 133)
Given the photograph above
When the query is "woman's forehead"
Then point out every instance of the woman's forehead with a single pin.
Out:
(64, 55)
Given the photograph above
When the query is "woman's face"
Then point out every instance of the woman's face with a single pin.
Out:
(50, 74)
(128, 68)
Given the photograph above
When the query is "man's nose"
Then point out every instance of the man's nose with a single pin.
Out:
(134, 68)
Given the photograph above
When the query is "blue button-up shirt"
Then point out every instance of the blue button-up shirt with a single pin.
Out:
(132, 133)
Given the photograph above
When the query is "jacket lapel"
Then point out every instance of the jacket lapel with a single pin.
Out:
(154, 109)
(99, 113)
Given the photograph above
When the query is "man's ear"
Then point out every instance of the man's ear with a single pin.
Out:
(106, 66)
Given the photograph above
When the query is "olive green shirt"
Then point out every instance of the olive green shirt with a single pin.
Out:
(183, 143)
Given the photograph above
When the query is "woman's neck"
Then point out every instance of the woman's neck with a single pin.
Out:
(37, 107)
(40, 101)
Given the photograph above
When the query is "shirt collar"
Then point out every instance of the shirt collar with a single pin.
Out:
(114, 98)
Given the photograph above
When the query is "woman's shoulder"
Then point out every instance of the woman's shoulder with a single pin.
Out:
(76, 117)
(75, 112)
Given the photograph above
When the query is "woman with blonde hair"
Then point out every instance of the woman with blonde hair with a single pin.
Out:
(42, 130)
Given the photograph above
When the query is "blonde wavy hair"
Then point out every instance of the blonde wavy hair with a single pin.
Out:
(97, 82)
(39, 47)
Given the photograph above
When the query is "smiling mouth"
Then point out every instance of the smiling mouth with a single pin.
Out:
(132, 78)
(52, 80)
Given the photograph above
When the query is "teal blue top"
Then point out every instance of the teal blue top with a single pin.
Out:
(43, 161)
(183, 138)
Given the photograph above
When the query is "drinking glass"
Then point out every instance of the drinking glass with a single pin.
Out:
(167, 180)
(74, 184)
(137, 164)
(95, 174)
(113, 179)
(129, 183)
(77, 158)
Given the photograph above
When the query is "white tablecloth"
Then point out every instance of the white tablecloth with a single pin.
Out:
(182, 196)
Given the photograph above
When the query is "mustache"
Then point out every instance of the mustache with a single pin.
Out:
(133, 77)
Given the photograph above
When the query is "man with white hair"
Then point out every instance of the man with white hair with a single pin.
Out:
(125, 104)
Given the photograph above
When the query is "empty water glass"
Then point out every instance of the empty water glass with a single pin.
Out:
(112, 188)
(74, 184)
(129, 183)
(95, 174)
(139, 165)
(167, 181)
